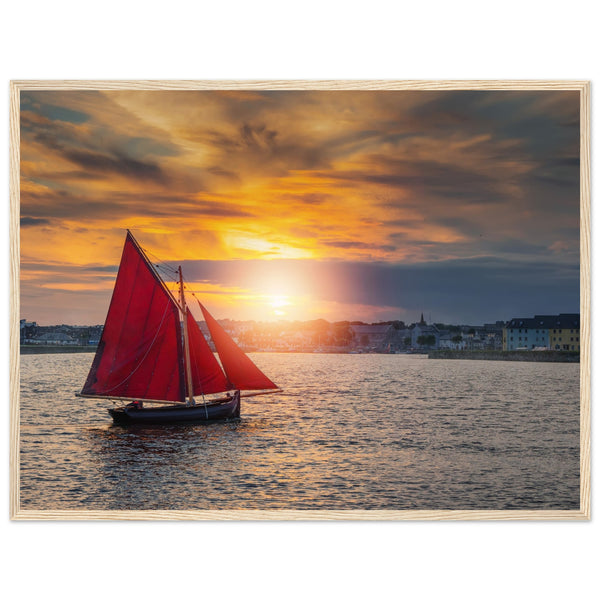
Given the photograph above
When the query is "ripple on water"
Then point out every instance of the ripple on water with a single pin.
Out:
(350, 432)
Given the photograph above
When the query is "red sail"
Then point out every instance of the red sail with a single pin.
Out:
(240, 370)
(140, 354)
(207, 375)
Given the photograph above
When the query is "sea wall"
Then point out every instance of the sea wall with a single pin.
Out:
(56, 349)
(522, 355)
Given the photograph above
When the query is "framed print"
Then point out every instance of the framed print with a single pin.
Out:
(300, 300)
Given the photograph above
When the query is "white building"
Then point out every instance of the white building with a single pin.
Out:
(422, 329)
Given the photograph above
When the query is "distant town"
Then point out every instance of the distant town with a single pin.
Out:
(538, 333)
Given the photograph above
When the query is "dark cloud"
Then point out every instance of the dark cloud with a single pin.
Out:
(428, 177)
(467, 291)
(256, 137)
(52, 111)
(120, 165)
(97, 162)
(99, 152)
(140, 147)
(64, 204)
(311, 198)
(220, 172)
(102, 269)
(349, 244)
(257, 145)
(71, 270)
(477, 241)
(536, 117)
(33, 221)
(462, 225)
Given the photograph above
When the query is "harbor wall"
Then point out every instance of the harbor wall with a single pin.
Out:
(524, 355)
(56, 349)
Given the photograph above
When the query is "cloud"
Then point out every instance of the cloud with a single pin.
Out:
(120, 165)
(47, 203)
(70, 142)
(33, 221)
(405, 180)
(349, 244)
(467, 291)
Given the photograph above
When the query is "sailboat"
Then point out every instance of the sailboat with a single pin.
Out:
(153, 355)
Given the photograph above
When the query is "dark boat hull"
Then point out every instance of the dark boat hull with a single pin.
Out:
(131, 415)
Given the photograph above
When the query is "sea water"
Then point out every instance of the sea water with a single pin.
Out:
(349, 432)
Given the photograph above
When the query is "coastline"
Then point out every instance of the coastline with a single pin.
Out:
(503, 355)
(40, 349)
(512, 355)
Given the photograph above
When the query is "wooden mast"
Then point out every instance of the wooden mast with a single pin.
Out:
(186, 345)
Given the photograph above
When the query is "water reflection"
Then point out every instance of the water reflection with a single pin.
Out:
(359, 432)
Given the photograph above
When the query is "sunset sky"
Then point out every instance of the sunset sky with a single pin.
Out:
(352, 205)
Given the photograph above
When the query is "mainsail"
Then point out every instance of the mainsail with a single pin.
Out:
(240, 370)
(140, 354)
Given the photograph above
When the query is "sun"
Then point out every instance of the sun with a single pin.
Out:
(278, 303)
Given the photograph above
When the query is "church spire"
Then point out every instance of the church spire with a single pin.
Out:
(422, 320)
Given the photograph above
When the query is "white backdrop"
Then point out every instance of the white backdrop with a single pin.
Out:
(270, 40)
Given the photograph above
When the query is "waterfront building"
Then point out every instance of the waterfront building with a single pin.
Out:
(370, 336)
(564, 334)
(450, 340)
(420, 330)
(549, 332)
(53, 339)
(27, 329)
(397, 340)
(527, 333)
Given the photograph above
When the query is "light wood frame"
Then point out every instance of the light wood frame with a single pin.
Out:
(584, 513)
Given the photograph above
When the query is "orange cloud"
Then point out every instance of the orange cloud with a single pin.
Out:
(395, 177)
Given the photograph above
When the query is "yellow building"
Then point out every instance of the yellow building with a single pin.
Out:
(553, 332)
(564, 339)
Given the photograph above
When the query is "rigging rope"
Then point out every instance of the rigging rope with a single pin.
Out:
(163, 264)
